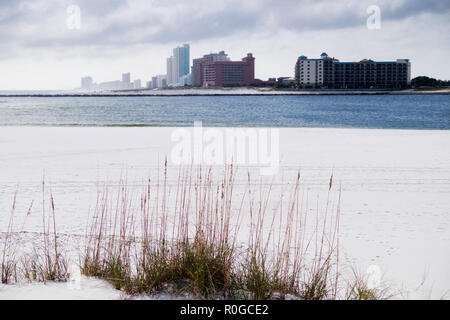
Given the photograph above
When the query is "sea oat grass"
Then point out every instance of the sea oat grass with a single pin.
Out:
(187, 235)
(360, 288)
(9, 261)
(47, 262)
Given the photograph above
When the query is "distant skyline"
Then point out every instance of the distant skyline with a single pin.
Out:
(42, 48)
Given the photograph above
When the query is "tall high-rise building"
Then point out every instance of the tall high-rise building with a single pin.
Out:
(178, 65)
(182, 57)
(196, 65)
(86, 83)
(126, 83)
(137, 84)
(170, 71)
(329, 72)
(154, 82)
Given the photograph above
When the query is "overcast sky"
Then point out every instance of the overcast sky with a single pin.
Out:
(39, 49)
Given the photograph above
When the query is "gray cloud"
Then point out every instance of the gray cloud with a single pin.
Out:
(41, 23)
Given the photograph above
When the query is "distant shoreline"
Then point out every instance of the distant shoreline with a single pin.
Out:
(228, 92)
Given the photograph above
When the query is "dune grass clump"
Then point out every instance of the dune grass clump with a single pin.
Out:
(192, 267)
(107, 251)
(163, 252)
(189, 234)
(9, 260)
(46, 263)
(360, 288)
(298, 262)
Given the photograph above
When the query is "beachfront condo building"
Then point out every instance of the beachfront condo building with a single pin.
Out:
(228, 73)
(328, 72)
(178, 65)
(196, 65)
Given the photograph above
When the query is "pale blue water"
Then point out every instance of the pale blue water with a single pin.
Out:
(381, 111)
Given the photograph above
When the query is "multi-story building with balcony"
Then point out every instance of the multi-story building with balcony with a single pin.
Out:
(197, 79)
(330, 73)
(228, 73)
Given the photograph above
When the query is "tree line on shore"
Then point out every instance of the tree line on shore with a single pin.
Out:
(423, 81)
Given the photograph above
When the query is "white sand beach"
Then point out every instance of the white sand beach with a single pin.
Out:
(395, 210)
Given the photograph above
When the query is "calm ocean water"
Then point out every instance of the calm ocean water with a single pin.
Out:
(381, 111)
